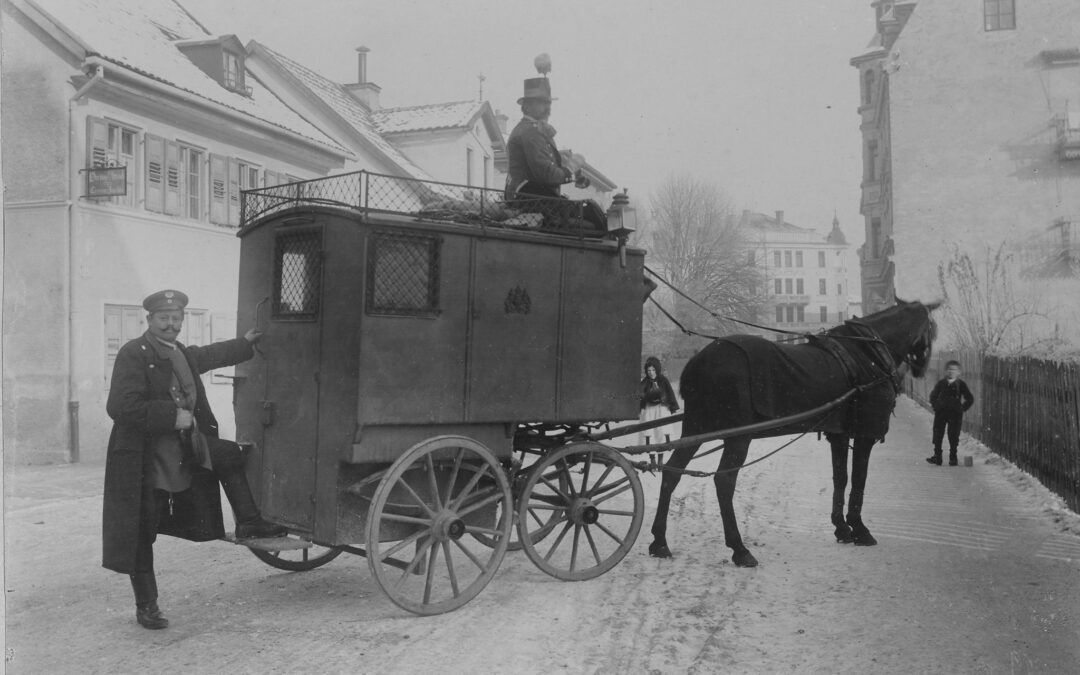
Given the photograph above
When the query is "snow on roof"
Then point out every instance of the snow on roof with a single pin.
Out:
(141, 35)
(457, 114)
(763, 222)
(342, 102)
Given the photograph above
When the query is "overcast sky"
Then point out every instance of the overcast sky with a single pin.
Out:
(756, 96)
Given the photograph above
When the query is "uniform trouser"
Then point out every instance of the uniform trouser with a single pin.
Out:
(228, 464)
(947, 422)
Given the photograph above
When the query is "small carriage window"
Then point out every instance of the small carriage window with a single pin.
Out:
(297, 275)
(403, 274)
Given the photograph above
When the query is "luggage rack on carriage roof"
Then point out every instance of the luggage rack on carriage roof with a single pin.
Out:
(373, 193)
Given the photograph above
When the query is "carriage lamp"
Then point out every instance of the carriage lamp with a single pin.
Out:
(621, 221)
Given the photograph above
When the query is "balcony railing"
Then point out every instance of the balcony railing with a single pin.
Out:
(367, 193)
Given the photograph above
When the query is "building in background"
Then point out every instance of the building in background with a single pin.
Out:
(805, 273)
(970, 115)
(129, 132)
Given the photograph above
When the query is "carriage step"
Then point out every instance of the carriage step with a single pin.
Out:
(271, 544)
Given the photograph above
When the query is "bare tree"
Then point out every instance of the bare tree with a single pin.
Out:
(692, 234)
(986, 309)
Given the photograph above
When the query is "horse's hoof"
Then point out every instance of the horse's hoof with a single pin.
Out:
(657, 550)
(863, 538)
(744, 559)
(843, 535)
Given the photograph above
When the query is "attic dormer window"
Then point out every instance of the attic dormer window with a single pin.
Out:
(233, 72)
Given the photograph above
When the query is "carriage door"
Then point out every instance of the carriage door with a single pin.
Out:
(292, 349)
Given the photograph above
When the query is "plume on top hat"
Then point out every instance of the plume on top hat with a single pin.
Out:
(543, 64)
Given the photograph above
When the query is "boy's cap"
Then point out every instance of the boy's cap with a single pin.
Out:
(165, 300)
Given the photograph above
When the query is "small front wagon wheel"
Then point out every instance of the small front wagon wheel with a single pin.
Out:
(598, 503)
(435, 493)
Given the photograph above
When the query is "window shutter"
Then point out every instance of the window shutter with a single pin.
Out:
(219, 194)
(172, 178)
(234, 192)
(155, 173)
(97, 142)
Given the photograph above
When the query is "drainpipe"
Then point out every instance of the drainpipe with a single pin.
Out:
(97, 74)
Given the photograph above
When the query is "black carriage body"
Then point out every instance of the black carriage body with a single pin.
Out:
(384, 329)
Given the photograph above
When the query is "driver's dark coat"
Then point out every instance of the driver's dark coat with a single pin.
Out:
(141, 406)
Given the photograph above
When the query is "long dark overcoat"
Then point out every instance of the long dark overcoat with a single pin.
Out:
(142, 407)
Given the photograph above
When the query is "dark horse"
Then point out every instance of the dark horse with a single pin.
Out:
(742, 380)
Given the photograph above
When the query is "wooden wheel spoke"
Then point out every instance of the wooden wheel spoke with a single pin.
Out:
(558, 540)
(565, 468)
(478, 473)
(532, 513)
(469, 554)
(493, 496)
(432, 485)
(554, 488)
(401, 544)
(410, 569)
(417, 498)
(454, 474)
(609, 533)
(450, 569)
(600, 481)
(429, 580)
(487, 531)
(592, 545)
(424, 522)
(616, 493)
(574, 547)
(585, 474)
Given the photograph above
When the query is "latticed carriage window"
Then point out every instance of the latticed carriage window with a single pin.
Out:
(297, 275)
(403, 274)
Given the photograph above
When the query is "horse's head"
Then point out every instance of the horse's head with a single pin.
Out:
(909, 329)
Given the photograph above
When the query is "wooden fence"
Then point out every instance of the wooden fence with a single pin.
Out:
(1026, 410)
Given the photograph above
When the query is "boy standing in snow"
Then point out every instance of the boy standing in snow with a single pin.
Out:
(949, 399)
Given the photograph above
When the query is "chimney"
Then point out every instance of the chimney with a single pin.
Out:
(779, 217)
(365, 92)
(501, 120)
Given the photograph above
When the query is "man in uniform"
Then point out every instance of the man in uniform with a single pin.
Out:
(165, 458)
(536, 167)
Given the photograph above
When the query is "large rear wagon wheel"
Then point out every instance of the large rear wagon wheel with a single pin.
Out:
(598, 503)
(434, 494)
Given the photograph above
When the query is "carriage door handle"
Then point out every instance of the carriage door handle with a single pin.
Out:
(267, 413)
(258, 308)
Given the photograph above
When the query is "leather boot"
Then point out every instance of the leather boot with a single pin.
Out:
(147, 612)
(249, 525)
(936, 457)
(952, 458)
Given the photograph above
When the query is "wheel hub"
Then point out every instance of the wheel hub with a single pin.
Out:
(584, 512)
(448, 527)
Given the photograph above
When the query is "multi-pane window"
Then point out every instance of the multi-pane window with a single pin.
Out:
(779, 314)
(798, 258)
(111, 144)
(824, 314)
(800, 313)
(469, 166)
(790, 312)
(787, 258)
(233, 71)
(821, 259)
(999, 14)
(487, 171)
(788, 286)
(868, 86)
(779, 284)
(875, 237)
(839, 289)
(821, 287)
(191, 162)
(776, 258)
(799, 287)
(871, 161)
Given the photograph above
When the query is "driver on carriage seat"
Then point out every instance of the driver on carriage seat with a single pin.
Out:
(535, 164)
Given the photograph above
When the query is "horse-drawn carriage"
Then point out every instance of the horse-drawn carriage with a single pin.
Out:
(436, 363)
(426, 344)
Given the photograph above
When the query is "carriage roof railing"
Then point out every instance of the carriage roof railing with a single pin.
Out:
(366, 192)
